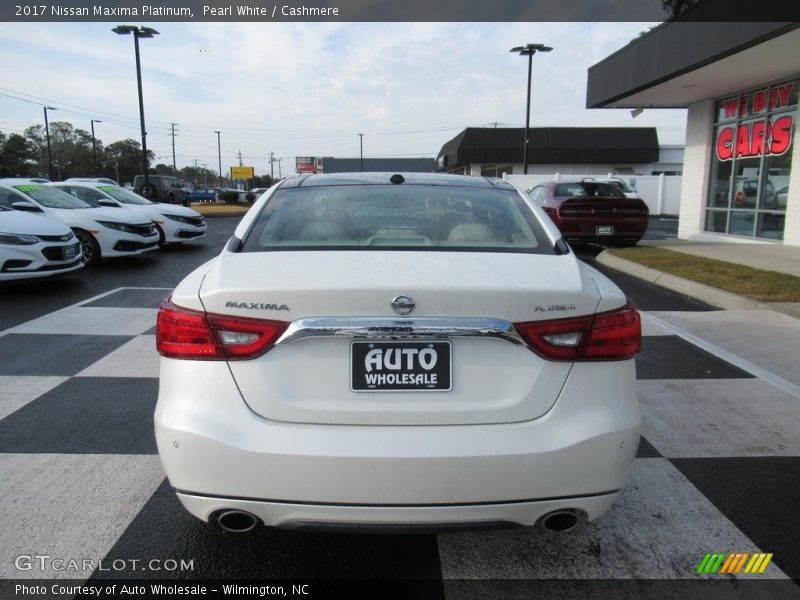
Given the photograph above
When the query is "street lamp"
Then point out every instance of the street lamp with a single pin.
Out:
(94, 146)
(361, 146)
(47, 133)
(528, 50)
(219, 157)
(139, 32)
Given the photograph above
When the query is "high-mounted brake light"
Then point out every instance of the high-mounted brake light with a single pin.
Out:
(614, 335)
(197, 335)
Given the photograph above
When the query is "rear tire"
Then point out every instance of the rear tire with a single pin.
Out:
(89, 247)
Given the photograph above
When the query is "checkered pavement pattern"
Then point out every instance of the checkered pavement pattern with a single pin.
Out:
(718, 467)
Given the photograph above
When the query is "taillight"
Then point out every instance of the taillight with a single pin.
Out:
(196, 335)
(614, 335)
(576, 211)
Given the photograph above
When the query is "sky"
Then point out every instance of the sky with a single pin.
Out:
(308, 89)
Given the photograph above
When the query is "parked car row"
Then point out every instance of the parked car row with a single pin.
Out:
(212, 194)
(81, 222)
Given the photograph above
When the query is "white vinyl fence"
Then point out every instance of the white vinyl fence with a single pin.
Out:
(661, 193)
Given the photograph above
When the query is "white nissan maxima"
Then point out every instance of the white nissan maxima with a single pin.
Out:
(33, 247)
(102, 232)
(398, 353)
(175, 224)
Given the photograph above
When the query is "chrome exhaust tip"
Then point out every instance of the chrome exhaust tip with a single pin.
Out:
(561, 520)
(237, 521)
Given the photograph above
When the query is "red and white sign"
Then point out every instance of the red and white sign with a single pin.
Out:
(768, 137)
(309, 164)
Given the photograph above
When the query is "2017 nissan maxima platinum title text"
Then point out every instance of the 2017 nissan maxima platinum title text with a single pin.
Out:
(398, 352)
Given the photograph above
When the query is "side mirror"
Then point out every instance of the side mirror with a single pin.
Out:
(26, 206)
(107, 203)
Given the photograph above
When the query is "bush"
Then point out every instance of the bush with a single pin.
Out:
(229, 197)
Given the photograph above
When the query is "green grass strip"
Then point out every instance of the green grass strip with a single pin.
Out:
(761, 285)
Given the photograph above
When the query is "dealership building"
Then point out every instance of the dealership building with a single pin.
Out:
(740, 84)
(498, 151)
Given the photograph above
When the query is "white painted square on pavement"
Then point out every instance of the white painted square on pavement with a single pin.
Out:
(699, 418)
(20, 390)
(137, 358)
(98, 496)
(92, 320)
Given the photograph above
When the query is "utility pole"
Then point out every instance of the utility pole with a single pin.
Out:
(219, 157)
(280, 176)
(174, 168)
(361, 151)
(195, 172)
(271, 165)
(240, 157)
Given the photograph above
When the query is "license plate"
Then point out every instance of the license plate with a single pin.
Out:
(400, 366)
(605, 230)
(70, 252)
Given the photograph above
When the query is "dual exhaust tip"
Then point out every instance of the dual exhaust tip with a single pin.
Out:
(240, 521)
(237, 521)
(563, 520)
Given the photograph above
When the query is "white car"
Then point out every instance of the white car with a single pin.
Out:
(33, 247)
(623, 185)
(102, 232)
(175, 224)
(398, 353)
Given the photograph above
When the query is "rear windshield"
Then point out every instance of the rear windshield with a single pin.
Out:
(397, 217)
(587, 188)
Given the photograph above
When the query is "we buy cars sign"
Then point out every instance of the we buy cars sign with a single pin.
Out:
(770, 137)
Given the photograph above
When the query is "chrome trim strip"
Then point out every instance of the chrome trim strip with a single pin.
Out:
(393, 328)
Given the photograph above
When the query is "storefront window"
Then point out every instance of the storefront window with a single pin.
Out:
(752, 161)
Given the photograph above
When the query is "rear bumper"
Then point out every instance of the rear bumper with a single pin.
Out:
(220, 455)
(587, 229)
(397, 519)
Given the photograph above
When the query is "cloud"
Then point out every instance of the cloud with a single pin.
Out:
(309, 88)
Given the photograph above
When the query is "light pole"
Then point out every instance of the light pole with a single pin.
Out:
(361, 150)
(139, 32)
(47, 133)
(94, 146)
(219, 157)
(528, 50)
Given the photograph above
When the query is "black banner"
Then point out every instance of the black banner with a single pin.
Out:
(398, 11)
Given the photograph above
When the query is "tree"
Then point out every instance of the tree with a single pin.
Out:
(35, 135)
(17, 157)
(676, 7)
(162, 169)
(72, 150)
(200, 176)
(125, 157)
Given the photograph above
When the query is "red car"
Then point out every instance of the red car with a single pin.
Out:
(593, 211)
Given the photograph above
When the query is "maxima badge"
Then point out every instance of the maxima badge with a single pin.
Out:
(403, 305)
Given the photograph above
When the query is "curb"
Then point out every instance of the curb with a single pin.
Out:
(698, 291)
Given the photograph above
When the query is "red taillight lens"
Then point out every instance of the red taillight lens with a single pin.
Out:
(615, 335)
(196, 335)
